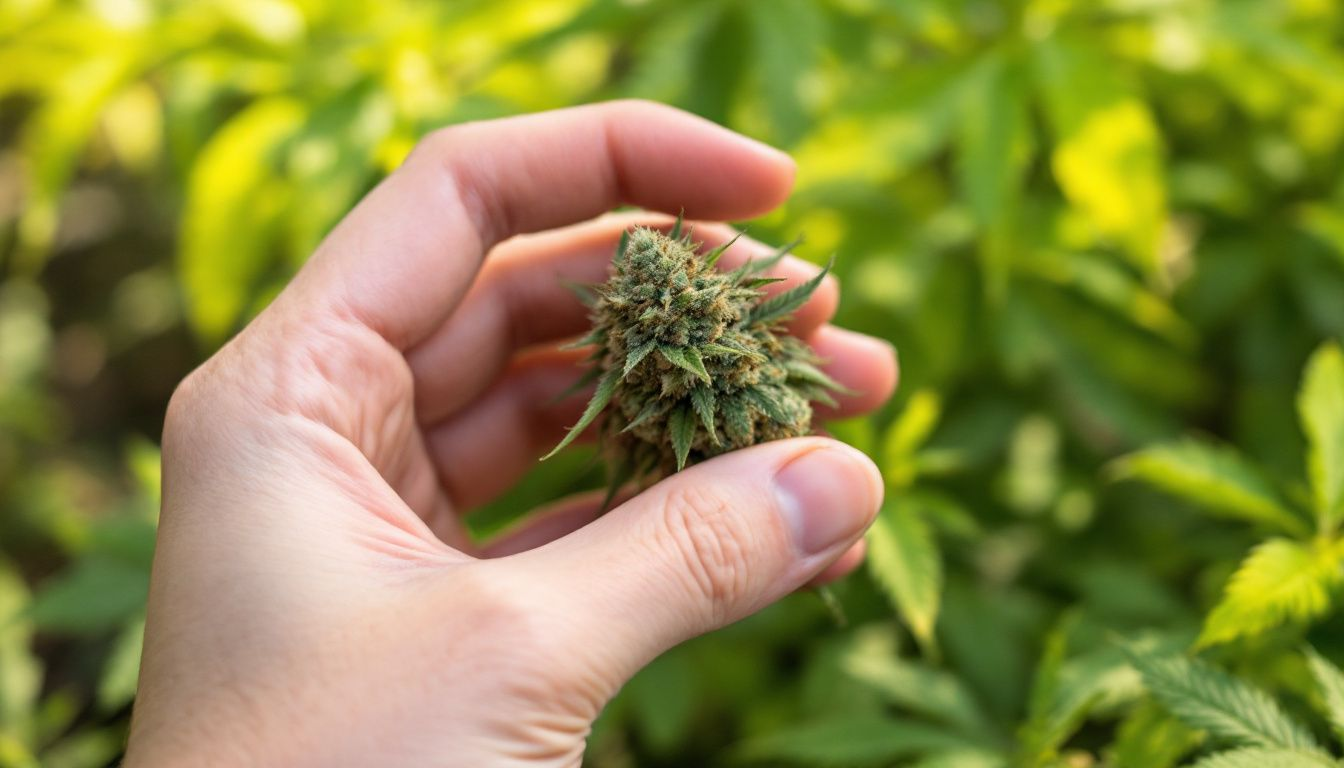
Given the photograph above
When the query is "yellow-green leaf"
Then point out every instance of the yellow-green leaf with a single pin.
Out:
(1215, 477)
(1279, 581)
(234, 197)
(1320, 406)
(905, 562)
(1108, 152)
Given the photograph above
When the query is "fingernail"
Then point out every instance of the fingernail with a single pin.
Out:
(828, 496)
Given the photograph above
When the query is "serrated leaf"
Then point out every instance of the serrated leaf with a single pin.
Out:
(1330, 682)
(757, 266)
(677, 226)
(606, 387)
(586, 293)
(681, 426)
(702, 398)
(1213, 476)
(1320, 406)
(595, 336)
(731, 351)
(1260, 757)
(761, 282)
(621, 246)
(776, 308)
(587, 377)
(1279, 581)
(802, 371)
(906, 434)
(904, 560)
(637, 355)
(850, 741)
(688, 359)
(712, 257)
(1211, 700)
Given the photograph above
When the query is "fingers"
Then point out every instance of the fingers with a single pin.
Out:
(548, 524)
(521, 299)
(843, 566)
(707, 546)
(482, 450)
(401, 261)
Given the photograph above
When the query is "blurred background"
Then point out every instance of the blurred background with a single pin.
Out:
(1106, 237)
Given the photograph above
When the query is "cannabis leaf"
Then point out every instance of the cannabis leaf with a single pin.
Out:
(1214, 476)
(1320, 406)
(1211, 700)
(1280, 580)
(904, 560)
(1259, 757)
(1331, 682)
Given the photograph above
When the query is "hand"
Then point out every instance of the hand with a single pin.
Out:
(315, 600)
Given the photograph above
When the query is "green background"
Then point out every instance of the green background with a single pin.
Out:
(1105, 237)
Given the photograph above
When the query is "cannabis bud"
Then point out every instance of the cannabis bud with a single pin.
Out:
(691, 362)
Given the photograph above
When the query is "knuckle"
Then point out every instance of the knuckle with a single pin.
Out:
(712, 548)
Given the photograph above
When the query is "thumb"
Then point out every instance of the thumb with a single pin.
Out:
(709, 545)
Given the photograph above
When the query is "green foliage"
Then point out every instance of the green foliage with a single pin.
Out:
(1104, 236)
(1237, 715)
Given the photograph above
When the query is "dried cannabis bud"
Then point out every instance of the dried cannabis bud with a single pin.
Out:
(692, 361)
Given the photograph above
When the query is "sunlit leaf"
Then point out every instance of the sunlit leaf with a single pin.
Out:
(1209, 699)
(1320, 405)
(1279, 581)
(1108, 156)
(1215, 477)
(234, 197)
(904, 560)
(1330, 683)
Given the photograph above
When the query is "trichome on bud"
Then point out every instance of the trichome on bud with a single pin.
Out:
(691, 361)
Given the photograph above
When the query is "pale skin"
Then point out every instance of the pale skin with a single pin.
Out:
(315, 600)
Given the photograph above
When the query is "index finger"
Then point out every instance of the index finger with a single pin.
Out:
(403, 258)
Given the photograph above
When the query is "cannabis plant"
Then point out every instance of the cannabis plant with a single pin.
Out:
(691, 361)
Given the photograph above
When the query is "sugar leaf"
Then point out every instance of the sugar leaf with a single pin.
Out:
(606, 387)
(702, 399)
(780, 306)
(682, 427)
(687, 358)
(712, 257)
(634, 356)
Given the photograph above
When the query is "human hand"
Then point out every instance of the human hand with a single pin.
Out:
(315, 600)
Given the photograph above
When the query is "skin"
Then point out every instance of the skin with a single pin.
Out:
(315, 600)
